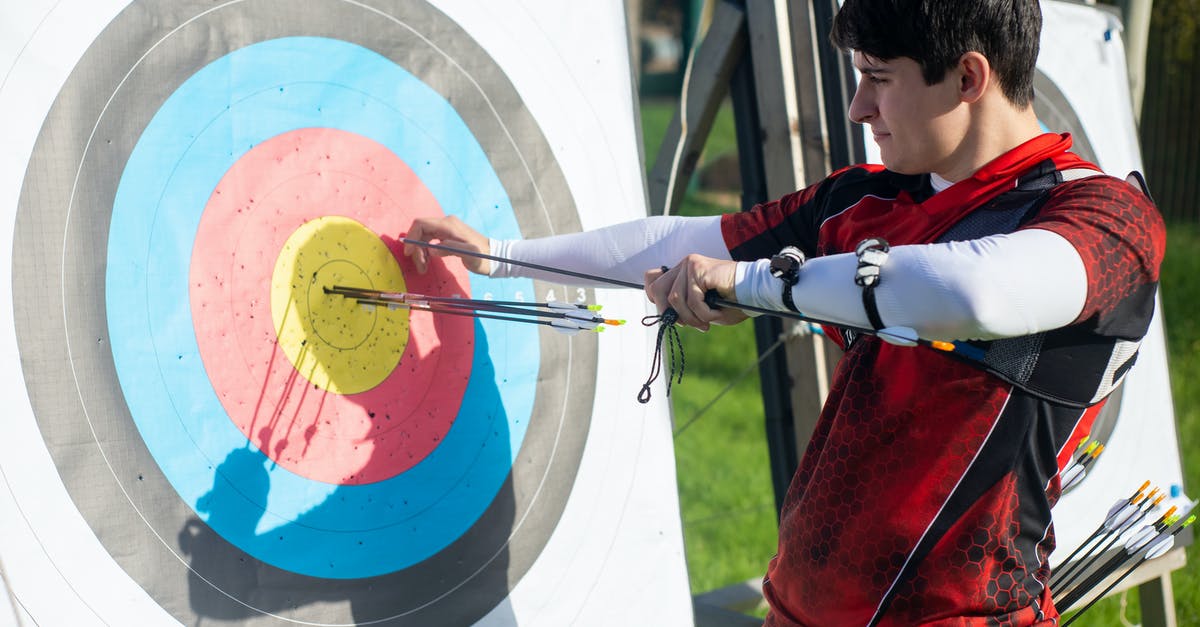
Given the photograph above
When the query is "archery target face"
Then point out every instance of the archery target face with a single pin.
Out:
(233, 435)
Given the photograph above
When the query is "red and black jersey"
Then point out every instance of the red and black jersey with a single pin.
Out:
(924, 494)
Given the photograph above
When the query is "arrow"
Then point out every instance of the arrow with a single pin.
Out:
(1124, 521)
(896, 335)
(565, 325)
(455, 300)
(582, 317)
(526, 264)
(1076, 471)
(1151, 542)
(1109, 520)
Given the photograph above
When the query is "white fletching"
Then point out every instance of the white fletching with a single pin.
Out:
(1160, 548)
(565, 326)
(1072, 476)
(1140, 539)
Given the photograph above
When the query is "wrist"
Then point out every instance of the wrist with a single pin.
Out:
(499, 248)
(754, 285)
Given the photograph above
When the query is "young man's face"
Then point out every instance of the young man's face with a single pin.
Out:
(919, 127)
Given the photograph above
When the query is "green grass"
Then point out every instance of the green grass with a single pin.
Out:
(724, 479)
(1181, 297)
(725, 489)
(722, 462)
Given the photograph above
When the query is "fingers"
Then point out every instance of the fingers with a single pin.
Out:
(656, 293)
(419, 255)
(683, 287)
(681, 300)
(447, 231)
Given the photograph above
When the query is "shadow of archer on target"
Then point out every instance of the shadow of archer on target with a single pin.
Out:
(457, 583)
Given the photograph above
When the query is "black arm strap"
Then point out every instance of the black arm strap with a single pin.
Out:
(872, 253)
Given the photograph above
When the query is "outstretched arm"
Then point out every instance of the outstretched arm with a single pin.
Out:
(621, 251)
(998, 286)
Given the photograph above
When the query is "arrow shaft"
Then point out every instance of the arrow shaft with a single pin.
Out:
(453, 300)
(525, 264)
(412, 301)
(453, 311)
(1103, 592)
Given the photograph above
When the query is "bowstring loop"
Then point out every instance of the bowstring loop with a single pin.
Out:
(666, 331)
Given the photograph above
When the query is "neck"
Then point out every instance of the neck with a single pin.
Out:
(993, 130)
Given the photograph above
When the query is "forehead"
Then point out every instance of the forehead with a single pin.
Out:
(866, 63)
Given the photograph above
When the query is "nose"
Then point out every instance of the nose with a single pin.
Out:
(862, 106)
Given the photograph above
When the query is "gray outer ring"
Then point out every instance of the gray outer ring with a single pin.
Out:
(1052, 108)
(58, 287)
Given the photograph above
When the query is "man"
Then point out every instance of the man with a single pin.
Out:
(924, 495)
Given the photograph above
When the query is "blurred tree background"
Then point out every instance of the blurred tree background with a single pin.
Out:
(1170, 122)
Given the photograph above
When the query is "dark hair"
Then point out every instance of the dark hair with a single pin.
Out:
(936, 33)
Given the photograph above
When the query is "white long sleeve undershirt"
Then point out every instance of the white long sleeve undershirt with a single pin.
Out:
(622, 251)
(998, 286)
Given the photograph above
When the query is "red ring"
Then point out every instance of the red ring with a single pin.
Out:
(272, 190)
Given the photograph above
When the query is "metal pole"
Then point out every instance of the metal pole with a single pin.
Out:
(773, 372)
(1135, 14)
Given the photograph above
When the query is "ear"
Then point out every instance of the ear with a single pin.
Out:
(975, 75)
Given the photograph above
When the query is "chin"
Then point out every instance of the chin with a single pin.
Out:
(900, 166)
(893, 165)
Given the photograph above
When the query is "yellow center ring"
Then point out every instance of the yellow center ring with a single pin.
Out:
(334, 342)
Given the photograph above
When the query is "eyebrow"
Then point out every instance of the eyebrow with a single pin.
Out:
(873, 70)
(866, 64)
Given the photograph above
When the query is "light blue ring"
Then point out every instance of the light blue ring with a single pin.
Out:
(212, 120)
